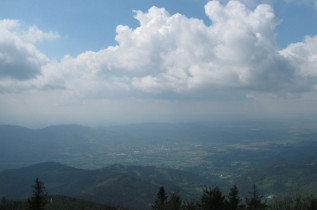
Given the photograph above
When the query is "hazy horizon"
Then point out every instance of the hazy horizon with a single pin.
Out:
(236, 121)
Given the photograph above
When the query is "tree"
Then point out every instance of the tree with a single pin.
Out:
(4, 204)
(40, 196)
(233, 199)
(313, 204)
(160, 200)
(212, 199)
(190, 205)
(174, 202)
(255, 201)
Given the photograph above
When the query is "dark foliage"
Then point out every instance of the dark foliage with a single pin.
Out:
(40, 197)
(295, 203)
(59, 202)
(190, 205)
(212, 199)
(234, 201)
(254, 202)
(10, 205)
(160, 201)
(215, 200)
(174, 202)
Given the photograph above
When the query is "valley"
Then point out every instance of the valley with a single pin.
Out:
(278, 157)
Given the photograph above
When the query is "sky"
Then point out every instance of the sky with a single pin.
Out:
(129, 61)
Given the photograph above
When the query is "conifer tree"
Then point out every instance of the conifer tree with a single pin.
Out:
(190, 205)
(174, 202)
(313, 204)
(233, 199)
(255, 201)
(4, 204)
(39, 198)
(160, 201)
(212, 199)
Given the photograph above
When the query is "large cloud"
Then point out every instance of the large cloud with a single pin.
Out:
(169, 55)
(303, 55)
(19, 58)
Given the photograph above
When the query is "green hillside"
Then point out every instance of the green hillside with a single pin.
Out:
(131, 186)
(282, 177)
(136, 187)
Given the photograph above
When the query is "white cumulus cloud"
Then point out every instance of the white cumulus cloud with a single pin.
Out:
(170, 66)
(19, 58)
(33, 34)
(303, 55)
(173, 53)
(169, 55)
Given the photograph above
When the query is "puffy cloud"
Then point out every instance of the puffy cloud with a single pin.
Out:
(178, 54)
(232, 66)
(19, 58)
(33, 34)
(168, 55)
(303, 55)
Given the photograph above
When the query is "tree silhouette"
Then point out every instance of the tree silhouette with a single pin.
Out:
(39, 198)
(212, 199)
(174, 202)
(313, 204)
(4, 204)
(255, 201)
(190, 205)
(233, 199)
(160, 200)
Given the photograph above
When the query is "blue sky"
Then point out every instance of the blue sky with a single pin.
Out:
(98, 62)
(85, 25)
(88, 25)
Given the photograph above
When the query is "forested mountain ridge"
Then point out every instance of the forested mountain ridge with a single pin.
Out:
(131, 186)
(135, 186)
(282, 177)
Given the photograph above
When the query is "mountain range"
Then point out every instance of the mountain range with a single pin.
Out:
(126, 165)
(131, 186)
